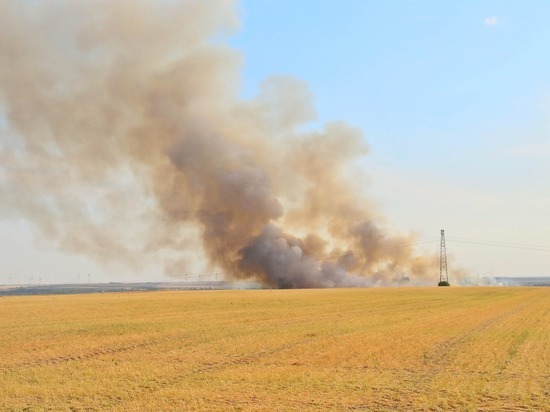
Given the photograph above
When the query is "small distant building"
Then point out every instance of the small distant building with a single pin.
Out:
(523, 281)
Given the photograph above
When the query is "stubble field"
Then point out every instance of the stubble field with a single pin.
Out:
(340, 349)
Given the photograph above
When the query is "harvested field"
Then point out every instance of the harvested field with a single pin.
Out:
(283, 350)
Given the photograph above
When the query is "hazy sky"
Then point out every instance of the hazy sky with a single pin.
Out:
(453, 99)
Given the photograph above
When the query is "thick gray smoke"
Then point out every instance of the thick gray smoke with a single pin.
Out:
(125, 140)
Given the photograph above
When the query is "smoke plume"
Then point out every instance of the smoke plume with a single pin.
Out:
(124, 139)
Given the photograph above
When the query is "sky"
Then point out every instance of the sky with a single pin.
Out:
(453, 99)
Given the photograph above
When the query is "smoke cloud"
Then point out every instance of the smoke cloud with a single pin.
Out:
(124, 139)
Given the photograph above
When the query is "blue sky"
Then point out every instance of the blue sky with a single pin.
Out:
(452, 97)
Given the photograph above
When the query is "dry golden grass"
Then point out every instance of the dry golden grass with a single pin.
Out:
(361, 349)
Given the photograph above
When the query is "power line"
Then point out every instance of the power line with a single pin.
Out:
(498, 244)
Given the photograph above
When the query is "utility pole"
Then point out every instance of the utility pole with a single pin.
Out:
(443, 272)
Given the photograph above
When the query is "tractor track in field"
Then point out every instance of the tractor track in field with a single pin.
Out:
(414, 373)
(437, 360)
(113, 350)
(98, 352)
(165, 382)
(244, 359)
(248, 358)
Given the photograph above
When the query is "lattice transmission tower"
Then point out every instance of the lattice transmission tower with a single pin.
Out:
(443, 272)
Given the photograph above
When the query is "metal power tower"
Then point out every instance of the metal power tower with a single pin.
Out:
(443, 273)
